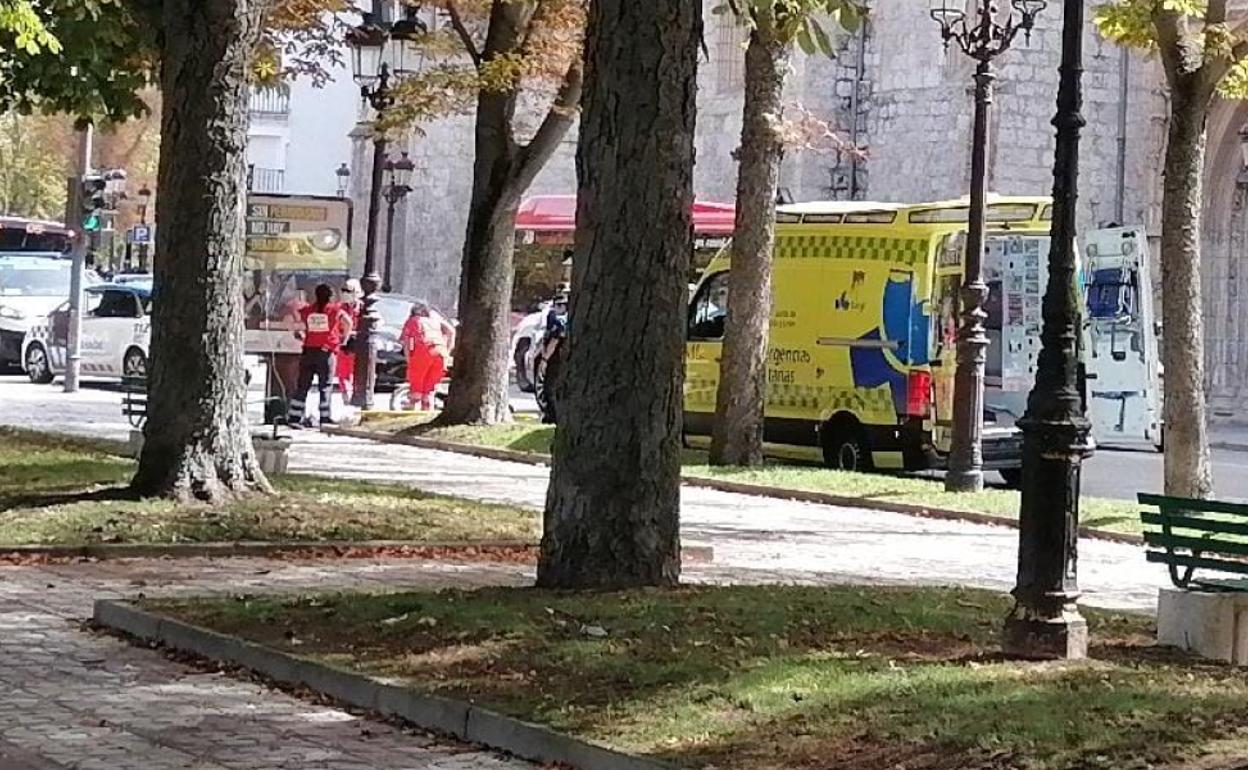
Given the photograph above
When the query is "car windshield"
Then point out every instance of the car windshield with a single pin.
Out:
(34, 277)
(394, 312)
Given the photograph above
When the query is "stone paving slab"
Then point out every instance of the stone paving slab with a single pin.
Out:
(75, 699)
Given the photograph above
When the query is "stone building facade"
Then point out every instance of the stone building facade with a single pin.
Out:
(895, 93)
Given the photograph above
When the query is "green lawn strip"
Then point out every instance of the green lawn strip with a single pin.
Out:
(1098, 513)
(61, 492)
(772, 677)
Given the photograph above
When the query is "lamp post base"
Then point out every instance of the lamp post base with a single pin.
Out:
(1063, 636)
(964, 481)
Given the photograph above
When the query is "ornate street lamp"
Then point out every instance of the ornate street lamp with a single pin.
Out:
(983, 39)
(398, 173)
(380, 52)
(1045, 621)
(344, 177)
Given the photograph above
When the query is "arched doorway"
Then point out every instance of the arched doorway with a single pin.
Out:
(1224, 262)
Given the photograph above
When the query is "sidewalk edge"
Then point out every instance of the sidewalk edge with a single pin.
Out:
(736, 487)
(459, 719)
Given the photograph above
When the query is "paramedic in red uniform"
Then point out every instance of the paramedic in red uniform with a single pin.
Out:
(344, 359)
(324, 325)
(427, 339)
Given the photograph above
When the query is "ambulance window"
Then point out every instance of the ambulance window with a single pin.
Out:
(1112, 294)
(710, 309)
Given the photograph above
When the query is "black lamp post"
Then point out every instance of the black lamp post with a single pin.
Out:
(398, 173)
(1045, 621)
(380, 53)
(984, 39)
(344, 177)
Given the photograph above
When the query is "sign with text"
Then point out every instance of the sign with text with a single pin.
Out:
(293, 244)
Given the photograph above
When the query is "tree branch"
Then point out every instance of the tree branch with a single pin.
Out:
(555, 125)
(457, 23)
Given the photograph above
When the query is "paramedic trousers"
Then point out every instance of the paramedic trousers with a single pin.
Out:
(425, 369)
(313, 363)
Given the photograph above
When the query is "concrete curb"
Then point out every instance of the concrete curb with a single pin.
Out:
(736, 487)
(487, 453)
(460, 719)
(342, 548)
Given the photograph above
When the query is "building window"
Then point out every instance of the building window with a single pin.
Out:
(729, 55)
(272, 103)
(266, 180)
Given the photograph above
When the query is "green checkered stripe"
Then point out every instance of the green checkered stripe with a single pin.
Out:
(832, 399)
(820, 399)
(907, 251)
(701, 390)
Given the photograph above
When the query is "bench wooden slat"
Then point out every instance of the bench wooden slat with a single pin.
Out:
(1191, 522)
(1198, 562)
(1165, 504)
(1206, 545)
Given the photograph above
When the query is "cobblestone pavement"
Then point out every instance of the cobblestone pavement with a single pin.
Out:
(75, 699)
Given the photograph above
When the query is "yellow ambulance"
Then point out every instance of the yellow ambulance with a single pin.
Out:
(861, 355)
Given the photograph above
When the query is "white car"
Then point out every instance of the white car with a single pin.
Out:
(32, 284)
(524, 346)
(115, 339)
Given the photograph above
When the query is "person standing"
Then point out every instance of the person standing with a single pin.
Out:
(345, 356)
(324, 324)
(427, 339)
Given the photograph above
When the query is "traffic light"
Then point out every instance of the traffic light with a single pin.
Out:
(93, 201)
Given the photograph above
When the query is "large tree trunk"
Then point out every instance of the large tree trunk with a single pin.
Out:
(197, 442)
(502, 172)
(738, 433)
(613, 508)
(479, 387)
(1187, 469)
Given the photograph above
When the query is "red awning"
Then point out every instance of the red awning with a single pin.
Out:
(557, 214)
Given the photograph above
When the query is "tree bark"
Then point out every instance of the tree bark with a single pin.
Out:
(612, 516)
(737, 437)
(197, 442)
(502, 172)
(1187, 469)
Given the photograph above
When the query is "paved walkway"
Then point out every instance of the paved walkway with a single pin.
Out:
(75, 699)
(752, 537)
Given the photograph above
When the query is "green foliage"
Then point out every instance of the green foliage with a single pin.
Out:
(22, 29)
(799, 21)
(1199, 43)
(33, 153)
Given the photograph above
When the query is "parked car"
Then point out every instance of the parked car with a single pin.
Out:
(32, 284)
(115, 338)
(526, 342)
(394, 310)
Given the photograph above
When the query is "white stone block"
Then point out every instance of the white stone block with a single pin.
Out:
(134, 446)
(1212, 625)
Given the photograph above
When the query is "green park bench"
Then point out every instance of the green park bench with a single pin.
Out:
(134, 400)
(1188, 535)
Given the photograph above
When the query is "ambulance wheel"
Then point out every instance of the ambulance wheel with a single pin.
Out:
(1013, 477)
(37, 367)
(845, 446)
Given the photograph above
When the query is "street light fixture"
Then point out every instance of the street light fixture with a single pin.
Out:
(344, 176)
(398, 173)
(380, 52)
(1045, 621)
(983, 39)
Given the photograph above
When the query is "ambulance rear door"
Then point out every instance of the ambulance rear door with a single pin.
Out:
(1123, 361)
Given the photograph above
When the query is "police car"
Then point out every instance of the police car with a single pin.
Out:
(115, 338)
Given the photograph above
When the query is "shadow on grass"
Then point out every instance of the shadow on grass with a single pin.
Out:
(774, 677)
(53, 499)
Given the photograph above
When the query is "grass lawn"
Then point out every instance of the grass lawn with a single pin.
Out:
(1099, 513)
(776, 678)
(62, 491)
